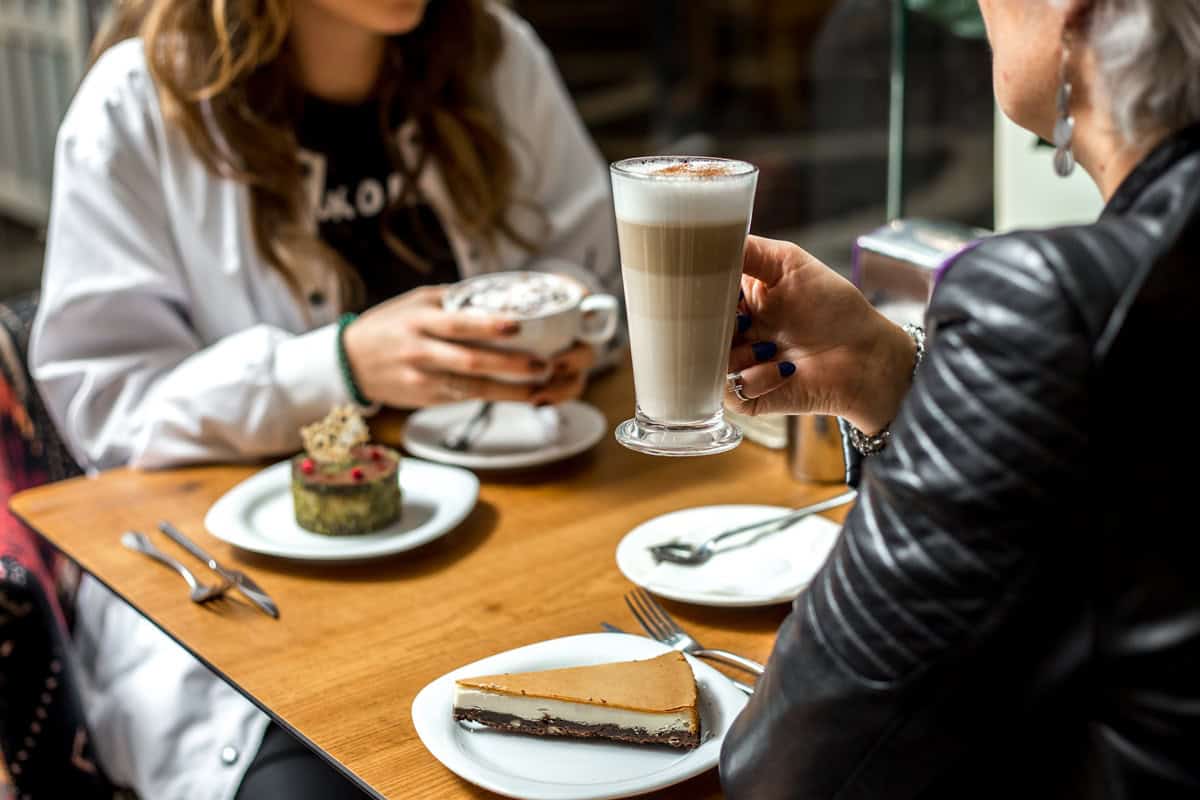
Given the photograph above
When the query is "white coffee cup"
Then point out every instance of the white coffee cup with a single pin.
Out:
(573, 316)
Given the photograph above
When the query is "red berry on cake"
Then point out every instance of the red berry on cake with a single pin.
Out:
(357, 474)
(307, 466)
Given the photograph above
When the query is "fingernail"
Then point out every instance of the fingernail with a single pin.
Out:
(743, 323)
(537, 365)
(508, 328)
(787, 369)
(764, 351)
(741, 295)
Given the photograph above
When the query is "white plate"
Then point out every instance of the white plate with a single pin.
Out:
(774, 569)
(257, 515)
(517, 436)
(537, 768)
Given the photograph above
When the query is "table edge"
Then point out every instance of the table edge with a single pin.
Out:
(329, 759)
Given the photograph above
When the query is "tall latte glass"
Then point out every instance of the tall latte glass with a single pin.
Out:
(682, 224)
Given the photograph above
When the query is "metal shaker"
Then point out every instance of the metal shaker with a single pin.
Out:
(814, 449)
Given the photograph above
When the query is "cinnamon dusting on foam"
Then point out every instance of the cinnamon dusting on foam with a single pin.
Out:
(685, 169)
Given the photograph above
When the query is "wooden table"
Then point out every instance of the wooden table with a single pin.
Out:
(354, 644)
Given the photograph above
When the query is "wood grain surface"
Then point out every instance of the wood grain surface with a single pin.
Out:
(355, 643)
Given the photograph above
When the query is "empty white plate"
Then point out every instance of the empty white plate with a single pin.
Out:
(257, 515)
(549, 768)
(517, 435)
(773, 569)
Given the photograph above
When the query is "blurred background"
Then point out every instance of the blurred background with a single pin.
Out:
(855, 110)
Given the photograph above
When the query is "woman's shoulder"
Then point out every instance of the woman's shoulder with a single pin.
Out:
(116, 98)
(513, 27)
(1068, 279)
(522, 52)
(122, 64)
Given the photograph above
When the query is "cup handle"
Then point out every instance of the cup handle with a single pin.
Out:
(599, 318)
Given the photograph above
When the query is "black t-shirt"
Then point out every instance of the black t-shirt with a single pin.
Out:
(348, 164)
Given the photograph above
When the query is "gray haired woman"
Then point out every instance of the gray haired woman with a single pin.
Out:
(1013, 609)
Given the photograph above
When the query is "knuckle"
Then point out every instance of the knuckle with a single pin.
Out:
(472, 361)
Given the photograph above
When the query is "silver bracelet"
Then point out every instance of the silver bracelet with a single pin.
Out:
(870, 445)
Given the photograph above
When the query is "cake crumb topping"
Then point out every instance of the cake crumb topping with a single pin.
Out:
(331, 440)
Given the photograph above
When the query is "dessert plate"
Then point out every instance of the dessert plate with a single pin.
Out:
(517, 435)
(773, 569)
(549, 768)
(257, 515)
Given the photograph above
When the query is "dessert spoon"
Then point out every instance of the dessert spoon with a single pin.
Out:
(693, 554)
(461, 442)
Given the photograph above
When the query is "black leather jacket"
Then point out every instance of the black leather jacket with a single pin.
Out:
(1013, 609)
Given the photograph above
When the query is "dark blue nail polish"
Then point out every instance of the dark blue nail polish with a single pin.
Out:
(743, 323)
(787, 369)
(764, 351)
(741, 295)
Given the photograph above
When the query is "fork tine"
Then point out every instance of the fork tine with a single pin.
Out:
(651, 623)
(640, 610)
(656, 611)
(638, 616)
(667, 620)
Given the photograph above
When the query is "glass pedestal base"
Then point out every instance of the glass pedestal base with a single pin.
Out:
(653, 438)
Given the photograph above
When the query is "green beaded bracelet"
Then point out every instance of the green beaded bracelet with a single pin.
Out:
(344, 361)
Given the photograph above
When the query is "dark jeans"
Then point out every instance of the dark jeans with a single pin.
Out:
(286, 768)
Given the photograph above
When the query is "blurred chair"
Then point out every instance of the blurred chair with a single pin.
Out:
(43, 735)
(43, 54)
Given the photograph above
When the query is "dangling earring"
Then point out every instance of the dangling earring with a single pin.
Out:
(1064, 128)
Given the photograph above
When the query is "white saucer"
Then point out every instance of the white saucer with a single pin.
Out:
(537, 768)
(257, 515)
(774, 569)
(517, 436)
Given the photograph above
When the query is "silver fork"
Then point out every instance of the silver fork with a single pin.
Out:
(744, 687)
(693, 554)
(658, 624)
(199, 592)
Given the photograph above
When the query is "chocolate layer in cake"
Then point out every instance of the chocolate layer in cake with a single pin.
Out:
(548, 726)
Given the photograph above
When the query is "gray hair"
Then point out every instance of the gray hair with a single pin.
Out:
(1148, 55)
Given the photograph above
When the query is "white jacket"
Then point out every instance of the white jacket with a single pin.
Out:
(163, 338)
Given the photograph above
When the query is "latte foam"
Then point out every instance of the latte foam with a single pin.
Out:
(674, 189)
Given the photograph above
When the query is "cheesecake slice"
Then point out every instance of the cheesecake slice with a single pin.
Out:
(643, 702)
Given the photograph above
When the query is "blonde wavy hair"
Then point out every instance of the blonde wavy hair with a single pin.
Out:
(223, 74)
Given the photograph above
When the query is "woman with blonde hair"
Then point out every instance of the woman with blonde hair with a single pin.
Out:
(1013, 608)
(234, 182)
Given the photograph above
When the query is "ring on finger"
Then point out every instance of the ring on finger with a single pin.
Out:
(456, 389)
(737, 386)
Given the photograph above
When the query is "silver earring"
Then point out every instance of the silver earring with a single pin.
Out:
(1064, 128)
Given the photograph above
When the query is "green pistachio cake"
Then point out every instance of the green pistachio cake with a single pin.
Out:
(341, 485)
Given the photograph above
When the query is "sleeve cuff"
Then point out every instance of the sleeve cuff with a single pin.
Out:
(307, 372)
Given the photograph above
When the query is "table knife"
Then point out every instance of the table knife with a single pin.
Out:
(243, 582)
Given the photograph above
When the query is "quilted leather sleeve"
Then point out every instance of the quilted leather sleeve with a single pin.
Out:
(952, 521)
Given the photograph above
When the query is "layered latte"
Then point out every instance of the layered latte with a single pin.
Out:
(682, 225)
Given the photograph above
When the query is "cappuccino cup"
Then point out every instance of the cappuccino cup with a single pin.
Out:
(554, 311)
